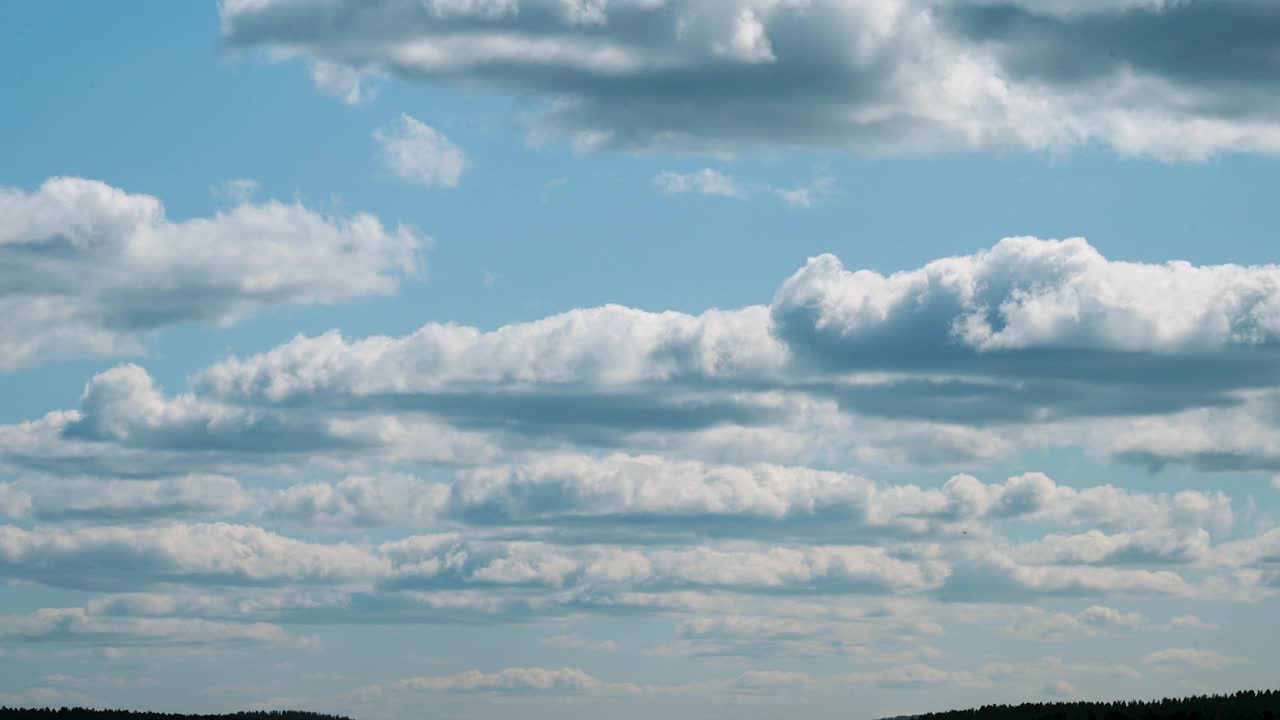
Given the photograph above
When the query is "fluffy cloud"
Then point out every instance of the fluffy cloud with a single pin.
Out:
(1037, 624)
(876, 76)
(598, 348)
(994, 574)
(358, 501)
(1026, 333)
(85, 268)
(1096, 548)
(126, 558)
(1030, 343)
(128, 426)
(649, 490)
(420, 154)
(1028, 294)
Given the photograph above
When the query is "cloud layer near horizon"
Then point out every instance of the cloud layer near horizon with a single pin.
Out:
(691, 470)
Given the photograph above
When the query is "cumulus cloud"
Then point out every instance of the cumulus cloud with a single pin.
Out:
(874, 76)
(1097, 548)
(1044, 626)
(126, 558)
(1030, 294)
(86, 268)
(995, 574)
(1030, 343)
(596, 347)
(358, 501)
(420, 154)
(732, 500)
(1026, 333)
(128, 426)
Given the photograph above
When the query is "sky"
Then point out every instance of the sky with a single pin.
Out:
(582, 358)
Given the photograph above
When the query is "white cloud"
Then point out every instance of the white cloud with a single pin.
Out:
(420, 154)
(1096, 548)
(86, 268)
(358, 501)
(576, 488)
(352, 86)
(1027, 293)
(119, 557)
(96, 500)
(843, 367)
(610, 345)
(709, 181)
(1036, 624)
(703, 182)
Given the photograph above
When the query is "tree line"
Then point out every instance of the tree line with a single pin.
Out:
(1243, 705)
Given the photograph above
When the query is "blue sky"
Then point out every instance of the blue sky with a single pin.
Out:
(568, 358)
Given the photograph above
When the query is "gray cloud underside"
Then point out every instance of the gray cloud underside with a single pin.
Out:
(878, 76)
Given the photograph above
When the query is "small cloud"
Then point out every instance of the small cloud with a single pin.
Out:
(237, 190)
(1059, 689)
(709, 181)
(1191, 622)
(352, 86)
(703, 182)
(489, 279)
(418, 153)
(806, 196)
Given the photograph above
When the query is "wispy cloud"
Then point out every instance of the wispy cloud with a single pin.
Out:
(711, 182)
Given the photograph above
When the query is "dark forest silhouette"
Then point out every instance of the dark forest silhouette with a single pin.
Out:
(1243, 705)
